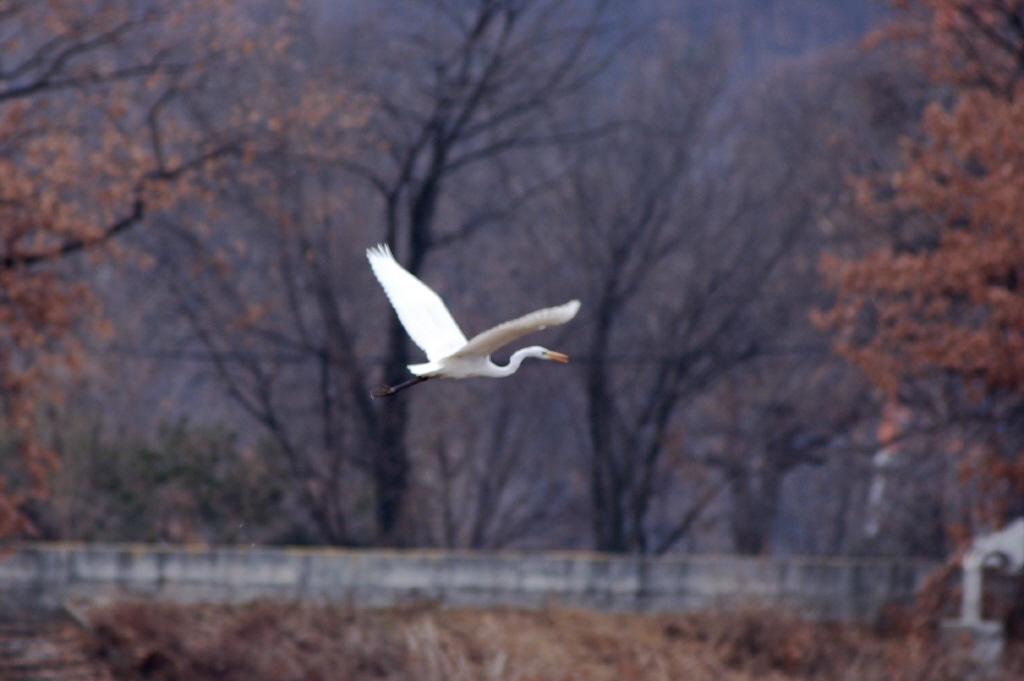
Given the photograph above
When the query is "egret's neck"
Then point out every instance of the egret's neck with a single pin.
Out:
(514, 361)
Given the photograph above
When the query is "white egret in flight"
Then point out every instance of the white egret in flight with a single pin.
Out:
(431, 326)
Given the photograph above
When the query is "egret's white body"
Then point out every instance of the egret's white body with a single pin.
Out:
(431, 326)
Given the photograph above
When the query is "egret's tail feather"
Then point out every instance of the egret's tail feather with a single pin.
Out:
(425, 368)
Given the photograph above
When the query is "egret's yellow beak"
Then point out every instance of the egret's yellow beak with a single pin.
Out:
(557, 356)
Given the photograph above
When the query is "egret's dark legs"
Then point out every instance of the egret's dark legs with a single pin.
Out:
(385, 390)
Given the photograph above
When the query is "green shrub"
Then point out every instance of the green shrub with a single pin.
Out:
(189, 484)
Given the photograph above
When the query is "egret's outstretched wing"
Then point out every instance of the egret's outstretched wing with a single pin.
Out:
(487, 342)
(421, 311)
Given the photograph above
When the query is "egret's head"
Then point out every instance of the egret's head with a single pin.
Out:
(541, 353)
(551, 354)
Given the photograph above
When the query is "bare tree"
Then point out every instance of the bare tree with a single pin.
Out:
(670, 261)
(255, 267)
(498, 479)
(463, 86)
(830, 116)
(698, 232)
(770, 417)
(283, 305)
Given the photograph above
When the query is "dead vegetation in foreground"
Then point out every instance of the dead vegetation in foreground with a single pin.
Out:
(283, 642)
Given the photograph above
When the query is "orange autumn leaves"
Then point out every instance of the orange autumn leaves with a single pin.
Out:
(82, 149)
(57, 125)
(953, 298)
(960, 304)
(113, 112)
(946, 298)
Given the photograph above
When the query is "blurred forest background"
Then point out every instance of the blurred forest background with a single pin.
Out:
(794, 226)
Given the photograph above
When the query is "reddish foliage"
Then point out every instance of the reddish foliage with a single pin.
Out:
(95, 133)
(948, 298)
(61, 111)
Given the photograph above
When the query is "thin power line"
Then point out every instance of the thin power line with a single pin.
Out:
(311, 356)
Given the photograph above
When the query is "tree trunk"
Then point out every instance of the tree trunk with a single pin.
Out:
(606, 484)
(755, 502)
(391, 459)
(391, 464)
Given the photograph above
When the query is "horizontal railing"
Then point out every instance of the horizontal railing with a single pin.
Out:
(45, 576)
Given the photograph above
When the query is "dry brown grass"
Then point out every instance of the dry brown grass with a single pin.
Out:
(269, 641)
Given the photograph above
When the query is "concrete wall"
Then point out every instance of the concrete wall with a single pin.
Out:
(49, 575)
